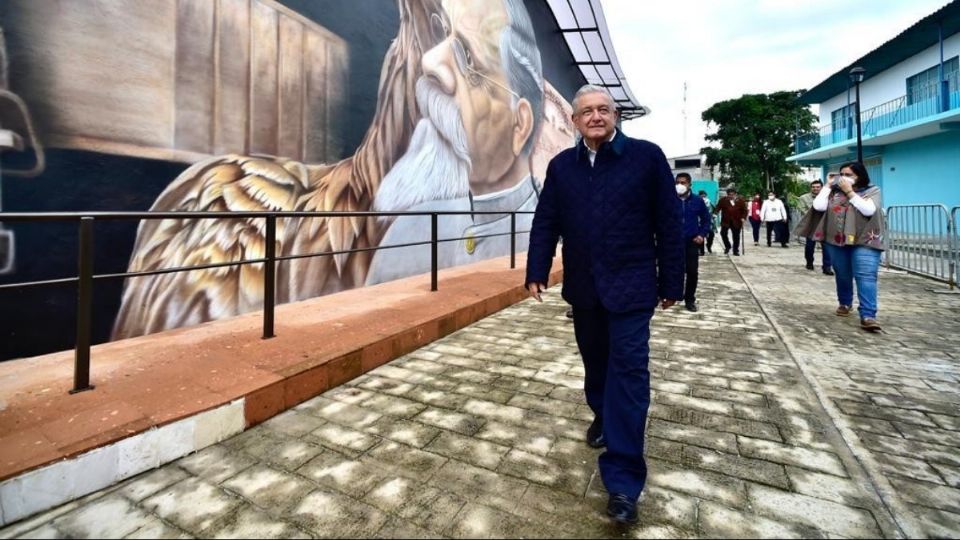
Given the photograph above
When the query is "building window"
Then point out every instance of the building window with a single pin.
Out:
(843, 117)
(925, 85)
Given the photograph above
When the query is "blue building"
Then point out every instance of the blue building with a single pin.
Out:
(909, 114)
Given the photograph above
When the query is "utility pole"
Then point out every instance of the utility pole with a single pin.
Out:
(684, 116)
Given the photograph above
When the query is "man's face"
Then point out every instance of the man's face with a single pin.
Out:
(731, 195)
(465, 63)
(815, 188)
(683, 181)
(595, 116)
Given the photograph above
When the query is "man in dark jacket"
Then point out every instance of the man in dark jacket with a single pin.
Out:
(732, 211)
(613, 201)
(696, 227)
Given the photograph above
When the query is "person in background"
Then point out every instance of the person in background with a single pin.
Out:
(713, 225)
(774, 215)
(804, 205)
(733, 212)
(755, 220)
(853, 232)
(696, 227)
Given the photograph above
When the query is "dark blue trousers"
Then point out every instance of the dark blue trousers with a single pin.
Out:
(809, 249)
(616, 351)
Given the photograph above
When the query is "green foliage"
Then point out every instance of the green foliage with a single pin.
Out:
(755, 135)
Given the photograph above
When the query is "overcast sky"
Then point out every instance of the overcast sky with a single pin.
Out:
(726, 48)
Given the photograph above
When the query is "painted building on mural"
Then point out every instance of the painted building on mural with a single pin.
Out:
(273, 105)
(909, 113)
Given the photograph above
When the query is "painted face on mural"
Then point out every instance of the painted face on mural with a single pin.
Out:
(466, 64)
(475, 130)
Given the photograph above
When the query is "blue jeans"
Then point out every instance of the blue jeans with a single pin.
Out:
(616, 351)
(858, 263)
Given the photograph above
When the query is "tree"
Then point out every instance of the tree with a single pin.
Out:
(755, 133)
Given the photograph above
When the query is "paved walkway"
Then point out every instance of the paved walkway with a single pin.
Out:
(780, 421)
(896, 396)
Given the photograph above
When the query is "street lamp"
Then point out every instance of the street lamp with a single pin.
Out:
(856, 76)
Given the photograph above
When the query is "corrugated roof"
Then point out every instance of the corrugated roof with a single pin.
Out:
(588, 38)
(920, 36)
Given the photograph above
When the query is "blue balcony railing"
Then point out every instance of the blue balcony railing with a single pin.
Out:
(921, 103)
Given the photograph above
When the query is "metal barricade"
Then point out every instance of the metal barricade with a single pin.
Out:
(921, 239)
(955, 245)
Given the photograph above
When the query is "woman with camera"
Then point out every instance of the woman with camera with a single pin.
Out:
(848, 218)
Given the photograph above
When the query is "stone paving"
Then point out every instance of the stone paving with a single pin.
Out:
(772, 421)
(895, 396)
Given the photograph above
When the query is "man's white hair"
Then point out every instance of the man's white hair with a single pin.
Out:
(520, 59)
(591, 89)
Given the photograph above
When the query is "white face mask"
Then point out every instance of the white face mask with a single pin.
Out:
(771, 197)
(681, 189)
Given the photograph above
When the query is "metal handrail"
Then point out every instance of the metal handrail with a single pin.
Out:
(85, 256)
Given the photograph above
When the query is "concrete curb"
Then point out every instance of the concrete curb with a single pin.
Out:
(902, 522)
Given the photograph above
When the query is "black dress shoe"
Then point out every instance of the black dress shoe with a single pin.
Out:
(622, 509)
(691, 307)
(595, 434)
(828, 271)
(809, 266)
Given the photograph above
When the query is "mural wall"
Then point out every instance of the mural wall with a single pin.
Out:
(254, 105)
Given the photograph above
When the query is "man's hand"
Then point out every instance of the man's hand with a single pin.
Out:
(698, 240)
(535, 290)
(666, 303)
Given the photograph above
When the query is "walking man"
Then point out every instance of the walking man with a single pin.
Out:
(696, 227)
(733, 212)
(612, 199)
(774, 215)
(805, 203)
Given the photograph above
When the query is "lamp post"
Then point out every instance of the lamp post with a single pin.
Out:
(856, 76)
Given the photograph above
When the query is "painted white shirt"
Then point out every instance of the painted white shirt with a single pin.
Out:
(475, 246)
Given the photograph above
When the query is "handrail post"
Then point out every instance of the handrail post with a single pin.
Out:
(513, 240)
(433, 252)
(269, 277)
(81, 360)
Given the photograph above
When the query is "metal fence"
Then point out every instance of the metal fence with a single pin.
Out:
(85, 257)
(922, 239)
(955, 246)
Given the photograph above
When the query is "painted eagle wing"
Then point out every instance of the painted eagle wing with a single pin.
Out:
(353, 183)
(229, 183)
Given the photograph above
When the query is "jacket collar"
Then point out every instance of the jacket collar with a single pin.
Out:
(616, 145)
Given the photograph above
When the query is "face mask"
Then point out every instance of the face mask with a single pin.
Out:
(771, 197)
(681, 189)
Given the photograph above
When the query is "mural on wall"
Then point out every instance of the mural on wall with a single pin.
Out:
(251, 96)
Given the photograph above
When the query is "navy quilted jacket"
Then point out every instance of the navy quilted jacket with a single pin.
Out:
(621, 225)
